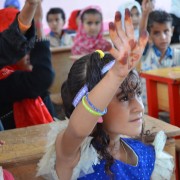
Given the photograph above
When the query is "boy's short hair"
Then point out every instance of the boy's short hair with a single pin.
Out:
(56, 11)
(158, 16)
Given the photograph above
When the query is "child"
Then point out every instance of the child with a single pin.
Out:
(135, 10)
(80, 148)
(23, 83)
(89, 36)
(159, 54)
(56, 20)
(73, 21)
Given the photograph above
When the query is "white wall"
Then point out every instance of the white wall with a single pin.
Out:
(108, 6)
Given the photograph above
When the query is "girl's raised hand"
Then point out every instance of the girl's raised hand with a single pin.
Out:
(127, 51)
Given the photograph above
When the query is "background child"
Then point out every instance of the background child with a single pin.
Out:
(159, 54)
(80, 148)
(57, 36)
(73, 21)
(135, 10)
(89, 36)
(23, 83)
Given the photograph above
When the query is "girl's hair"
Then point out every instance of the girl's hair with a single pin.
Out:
(87, 70)
(90, 11)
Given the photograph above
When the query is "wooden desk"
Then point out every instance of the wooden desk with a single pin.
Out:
(24, 147)
(61, 64)
(163, 92)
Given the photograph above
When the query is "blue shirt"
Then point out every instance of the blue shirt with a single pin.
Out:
(123, 171)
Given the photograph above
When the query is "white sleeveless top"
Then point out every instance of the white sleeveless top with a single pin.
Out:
(163, 169)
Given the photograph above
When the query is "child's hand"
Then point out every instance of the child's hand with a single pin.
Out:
(1, 143)
(127, 51)
(147, 6)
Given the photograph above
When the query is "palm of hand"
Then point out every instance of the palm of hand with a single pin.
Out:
(127, 51)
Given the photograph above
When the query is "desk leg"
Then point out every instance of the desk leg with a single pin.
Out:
(174, 104)
(152, 98)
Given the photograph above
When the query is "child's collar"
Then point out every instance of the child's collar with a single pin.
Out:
(169, 52)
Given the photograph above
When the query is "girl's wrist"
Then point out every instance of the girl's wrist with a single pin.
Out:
(114, 75)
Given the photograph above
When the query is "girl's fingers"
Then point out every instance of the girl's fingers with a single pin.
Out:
(115, 53)
(129, 26)
(114, 36)
(119, 29)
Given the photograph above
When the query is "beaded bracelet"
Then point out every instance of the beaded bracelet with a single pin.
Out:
(88, 108)
(94, 108)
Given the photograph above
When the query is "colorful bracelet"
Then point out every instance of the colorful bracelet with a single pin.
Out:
(23, 27)
(88, 108)
(94, 108)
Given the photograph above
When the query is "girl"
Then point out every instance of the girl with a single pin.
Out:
(73, 21)
(90, 33)
(80, 148)
(135, 10)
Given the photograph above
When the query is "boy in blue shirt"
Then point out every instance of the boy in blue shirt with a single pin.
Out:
(158, 53)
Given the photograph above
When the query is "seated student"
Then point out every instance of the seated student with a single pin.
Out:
(135, 10)
(73, 22)
(12, 3)
(98, 85)
(89, 36)
(159, 54)
(24, 85)
(57, 36)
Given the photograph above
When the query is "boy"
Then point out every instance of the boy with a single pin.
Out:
(57, 36)
(159, 54)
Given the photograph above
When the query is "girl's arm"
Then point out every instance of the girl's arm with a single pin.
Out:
(127, 54)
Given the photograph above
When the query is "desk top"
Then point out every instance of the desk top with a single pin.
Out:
(27, 144)
(60, 49)
(170, 73)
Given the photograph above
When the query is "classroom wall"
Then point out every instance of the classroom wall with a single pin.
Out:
(108, 6)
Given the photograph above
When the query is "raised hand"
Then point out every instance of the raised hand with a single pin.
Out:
(127, 50)
(147, 6)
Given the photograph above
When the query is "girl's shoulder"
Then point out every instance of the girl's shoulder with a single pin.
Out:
(89, 156)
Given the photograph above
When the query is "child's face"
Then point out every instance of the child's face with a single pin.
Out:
(124, 115)
(55, 22)
(92, 24)
(135, 16)
(160, 35)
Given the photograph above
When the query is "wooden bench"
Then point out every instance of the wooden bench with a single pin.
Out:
(24, 147)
